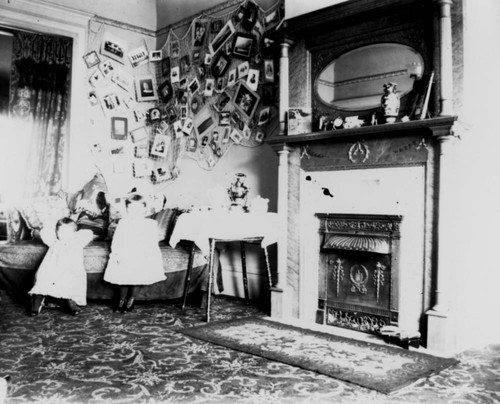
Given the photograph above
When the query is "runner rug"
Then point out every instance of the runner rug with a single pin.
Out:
(378, 367)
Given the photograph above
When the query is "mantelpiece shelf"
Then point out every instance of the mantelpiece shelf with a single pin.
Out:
(440, 126)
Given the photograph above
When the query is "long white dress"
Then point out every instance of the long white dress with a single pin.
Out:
(61, 273)
(135, 257)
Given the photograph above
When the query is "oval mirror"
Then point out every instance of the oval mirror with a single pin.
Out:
(354, 81)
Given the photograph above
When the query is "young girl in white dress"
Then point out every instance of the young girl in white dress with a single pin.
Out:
(61, 273)
(135, 258)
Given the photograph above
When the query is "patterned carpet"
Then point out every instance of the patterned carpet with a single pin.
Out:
(104, 357)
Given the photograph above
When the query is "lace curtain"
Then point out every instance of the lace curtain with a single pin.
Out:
(39, 103)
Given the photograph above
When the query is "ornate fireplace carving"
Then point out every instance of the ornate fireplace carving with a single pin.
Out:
(358, 271)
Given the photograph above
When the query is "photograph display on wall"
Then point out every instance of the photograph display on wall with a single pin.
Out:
(91, 59)
(250, 16)
(220, 64)
(113, 47)
(253, 79)
(221, 38)
(269, 70)
(242, 45)
(145, 87)
(199, 32)
(155, 56)
(138, 56)
(165, 67)
(123, 78)
(166, 91)
(208, 87)
(139, 135)
(119, 128)
(175, 74)
(161, 145)
(175, 49)
(245, 100)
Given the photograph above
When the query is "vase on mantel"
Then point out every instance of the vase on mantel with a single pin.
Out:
(390, 102)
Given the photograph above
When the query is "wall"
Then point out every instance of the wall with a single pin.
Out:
(141, 13)
(477, 165)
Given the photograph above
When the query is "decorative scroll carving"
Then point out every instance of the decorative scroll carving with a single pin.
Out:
(378, 277)
(359, 278)
(359, 152)
(330, 225)
(354, 242)
(365, 323)
(337, 272)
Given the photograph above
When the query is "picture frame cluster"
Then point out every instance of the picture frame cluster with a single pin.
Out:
(214, 87)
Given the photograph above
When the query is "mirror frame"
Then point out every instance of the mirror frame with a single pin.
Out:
(366, 108)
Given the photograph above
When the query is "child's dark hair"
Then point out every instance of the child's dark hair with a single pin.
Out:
(100, 200)
(65, 221)
(135, 198)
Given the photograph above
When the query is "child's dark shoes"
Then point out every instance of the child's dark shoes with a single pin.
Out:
(130, 304)
(72, 307)
(36, 304)
(120, 305)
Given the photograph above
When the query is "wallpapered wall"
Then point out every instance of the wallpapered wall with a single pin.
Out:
(199, 95)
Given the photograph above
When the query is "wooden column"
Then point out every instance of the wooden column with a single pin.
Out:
(278, 291)
(445, 57)
(284, 84)
(441, 335)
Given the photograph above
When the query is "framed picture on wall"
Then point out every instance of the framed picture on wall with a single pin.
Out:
(199, 32)
(175, 49)
(119, 128)
(220, 64)
(242, 45)
(165, 67)
(250, 16)
(145, 86)
(166, 91)
(245, 100)
(155, 56)
(138, 56)
(161, 145)
(91, 59)
(221, 38)
(113, 47)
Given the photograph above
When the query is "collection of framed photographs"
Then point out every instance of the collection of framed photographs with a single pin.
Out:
(221, 88)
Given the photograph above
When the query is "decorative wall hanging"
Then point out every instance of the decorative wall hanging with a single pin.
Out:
(195, 96)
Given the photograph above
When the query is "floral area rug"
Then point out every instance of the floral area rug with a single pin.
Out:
(140, 357)
(378, 367)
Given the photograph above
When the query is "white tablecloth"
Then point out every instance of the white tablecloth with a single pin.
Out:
(202, 226)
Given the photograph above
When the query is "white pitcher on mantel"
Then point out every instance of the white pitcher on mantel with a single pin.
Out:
(259, 205)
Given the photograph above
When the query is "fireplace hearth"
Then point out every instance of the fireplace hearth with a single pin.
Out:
(358, 271)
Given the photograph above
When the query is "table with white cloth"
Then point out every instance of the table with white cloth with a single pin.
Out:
(206, 228)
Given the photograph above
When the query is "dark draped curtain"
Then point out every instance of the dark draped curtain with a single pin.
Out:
(39, 98)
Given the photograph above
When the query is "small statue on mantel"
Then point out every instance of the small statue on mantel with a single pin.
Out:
(390, 102)
(238, 193)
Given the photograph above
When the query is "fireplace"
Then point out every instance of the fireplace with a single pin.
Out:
(400, 169)
(358, 277)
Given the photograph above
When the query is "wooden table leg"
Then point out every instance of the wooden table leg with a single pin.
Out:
(188, 275)
(210, 275)
(244, 270)
(268, 268)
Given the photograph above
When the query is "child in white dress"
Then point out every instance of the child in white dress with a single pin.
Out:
(61, 273)
(135, 257)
